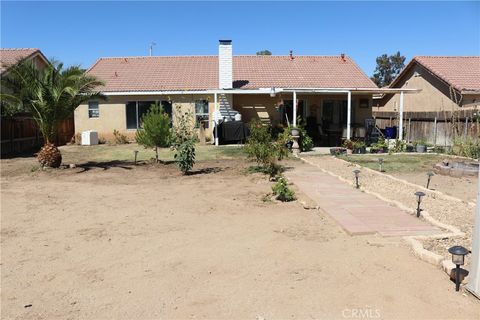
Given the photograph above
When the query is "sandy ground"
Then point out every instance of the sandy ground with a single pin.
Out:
(125, 242)
(464, 188)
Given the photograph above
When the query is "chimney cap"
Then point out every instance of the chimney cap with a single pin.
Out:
(225, 41)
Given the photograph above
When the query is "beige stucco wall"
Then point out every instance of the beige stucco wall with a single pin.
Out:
(434, 97)
(112, 113)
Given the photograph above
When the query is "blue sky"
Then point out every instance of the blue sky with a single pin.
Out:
(81, 32)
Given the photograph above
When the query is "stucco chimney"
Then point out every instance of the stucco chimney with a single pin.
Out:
(225, 65)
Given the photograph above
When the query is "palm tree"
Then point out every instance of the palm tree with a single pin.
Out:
(50, 94)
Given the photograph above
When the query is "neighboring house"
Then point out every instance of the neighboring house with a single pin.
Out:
(20, 132)
(450, 89)
(256, 86)
(9, 57)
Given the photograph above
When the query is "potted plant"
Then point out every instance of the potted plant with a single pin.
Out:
(379, 147)
(359, 147)
(420, 146)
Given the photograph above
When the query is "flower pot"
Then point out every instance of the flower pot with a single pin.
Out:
(360, 150)
(421, 148)
(295, 132)
(409, 148)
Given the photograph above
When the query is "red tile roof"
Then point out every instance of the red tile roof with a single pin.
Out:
(249, 72)
(9, 57)
(463, 73)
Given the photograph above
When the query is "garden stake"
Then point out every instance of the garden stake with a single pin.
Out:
(429, 174)
(135, 152)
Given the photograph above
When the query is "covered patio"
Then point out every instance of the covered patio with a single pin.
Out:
(330, 115)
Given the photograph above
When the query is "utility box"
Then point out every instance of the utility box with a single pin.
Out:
(89, 138)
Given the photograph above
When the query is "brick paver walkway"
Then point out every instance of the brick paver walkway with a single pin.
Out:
(356, 211)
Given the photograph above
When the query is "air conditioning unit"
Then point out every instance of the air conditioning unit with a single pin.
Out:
(89, 138)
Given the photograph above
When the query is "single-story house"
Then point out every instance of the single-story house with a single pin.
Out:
(450, 89)
(332, 94)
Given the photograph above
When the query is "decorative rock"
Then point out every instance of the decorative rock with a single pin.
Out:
(72, 165)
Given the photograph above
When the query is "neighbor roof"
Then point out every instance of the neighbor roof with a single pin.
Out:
(9, 57)
(462, 73)
(249, 72)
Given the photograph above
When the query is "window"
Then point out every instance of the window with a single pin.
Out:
(93, 111)
(201, 113)
(134, 111)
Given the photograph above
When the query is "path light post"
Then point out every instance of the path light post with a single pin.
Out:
(135, 152)
(419, 195)
(430, 174)
(380, 163)
(458, 259)
(357, 173)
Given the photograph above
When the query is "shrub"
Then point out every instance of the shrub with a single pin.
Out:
(185, 156)
(156, 129)
(184, 138)
(282, 191)
(119, 138)
(261, 147)
(466, 147)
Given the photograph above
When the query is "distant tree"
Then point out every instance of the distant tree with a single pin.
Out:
(156, 129)
(264, 53)
(388, 67)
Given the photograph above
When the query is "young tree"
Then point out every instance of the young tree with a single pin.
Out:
(50, 94)
(388, 67)
(156, 129)
(184, 141)
(264, 53)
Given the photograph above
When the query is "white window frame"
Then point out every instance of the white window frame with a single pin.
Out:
(90, 109)
(207, 114)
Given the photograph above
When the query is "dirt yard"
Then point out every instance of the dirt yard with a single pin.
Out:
(118, 241)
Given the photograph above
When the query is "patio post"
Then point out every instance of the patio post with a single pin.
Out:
(294, 120)
(400, 122)
(215, 118)
(349, 114)
(473, 285)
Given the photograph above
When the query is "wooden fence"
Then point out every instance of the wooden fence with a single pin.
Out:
(21, 134)
(438, 128)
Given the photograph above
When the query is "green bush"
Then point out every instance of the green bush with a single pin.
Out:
(261, 148)
(156, 129)
(467, 147)
(185, 156)
(282, 191)
(184, 139)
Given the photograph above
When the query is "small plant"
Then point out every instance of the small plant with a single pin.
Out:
(398, 147)
(467, 147)
(266, 152)
(282, 191)
(119, 138)
(184, 138)
(185, 156)
(156, 129)
(379, 147)
(102, 140)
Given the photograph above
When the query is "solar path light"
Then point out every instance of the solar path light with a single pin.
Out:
(357, 173)
(430, 174)
(419, 195)
(458, 258)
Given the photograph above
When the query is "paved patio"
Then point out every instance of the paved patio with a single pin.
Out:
(356, 211)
